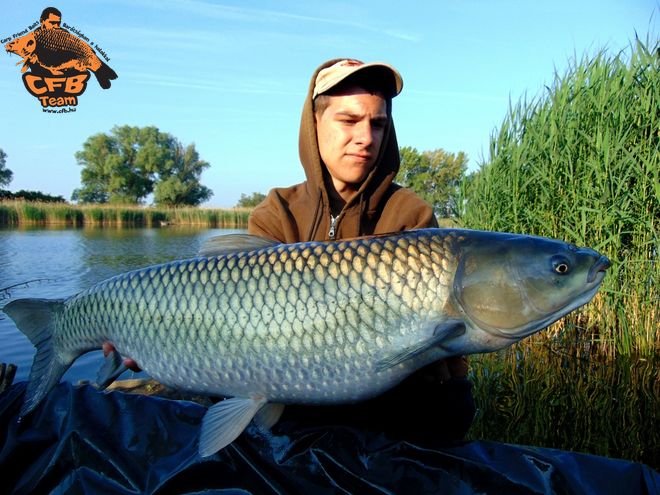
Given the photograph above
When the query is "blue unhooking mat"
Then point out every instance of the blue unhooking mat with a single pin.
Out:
(84, 441)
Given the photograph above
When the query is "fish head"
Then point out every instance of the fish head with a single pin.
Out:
(23, 46)
(511, 286)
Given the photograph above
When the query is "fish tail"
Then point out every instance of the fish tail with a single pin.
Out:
(104, 74)
(35, 318)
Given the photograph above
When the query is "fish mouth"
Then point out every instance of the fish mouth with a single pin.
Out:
(598, 269)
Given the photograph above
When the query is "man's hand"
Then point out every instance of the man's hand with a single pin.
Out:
(128, 362)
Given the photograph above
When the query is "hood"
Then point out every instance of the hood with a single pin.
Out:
(375, 186)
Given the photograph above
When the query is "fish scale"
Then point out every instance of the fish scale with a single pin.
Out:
(311, 323)
(258, 326)
(61, 40)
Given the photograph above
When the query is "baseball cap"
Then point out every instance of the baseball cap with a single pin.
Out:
(331, 76)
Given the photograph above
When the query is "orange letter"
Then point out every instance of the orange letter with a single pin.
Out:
(76, 84)
(54, 82)
(30, 81)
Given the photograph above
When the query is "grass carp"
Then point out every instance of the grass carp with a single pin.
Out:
(269, 324)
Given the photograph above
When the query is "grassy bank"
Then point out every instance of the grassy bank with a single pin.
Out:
(17, 213)
(547, 395)
(581, 163)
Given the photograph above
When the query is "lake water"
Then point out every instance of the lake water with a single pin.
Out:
(55, 264)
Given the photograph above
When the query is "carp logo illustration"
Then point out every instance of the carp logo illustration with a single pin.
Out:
(56, 63)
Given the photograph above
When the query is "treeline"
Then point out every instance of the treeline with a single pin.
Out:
(127, 165)
(33, 196)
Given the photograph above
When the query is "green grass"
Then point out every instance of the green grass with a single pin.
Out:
(550, 397)
(15, 213)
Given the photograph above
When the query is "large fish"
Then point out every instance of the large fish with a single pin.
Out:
(269, 324)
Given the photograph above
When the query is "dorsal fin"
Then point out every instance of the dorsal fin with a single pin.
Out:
(234, 243)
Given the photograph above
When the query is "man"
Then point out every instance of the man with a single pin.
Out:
(349, 151)
(51, 18)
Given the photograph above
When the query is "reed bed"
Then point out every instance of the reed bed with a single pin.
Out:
(18, 213)
(581, 163)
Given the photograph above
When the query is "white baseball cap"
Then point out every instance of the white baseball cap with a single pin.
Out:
(331, 76)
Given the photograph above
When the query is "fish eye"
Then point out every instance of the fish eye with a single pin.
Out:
(561, 265)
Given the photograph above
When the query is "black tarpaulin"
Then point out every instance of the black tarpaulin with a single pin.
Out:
(81, 440)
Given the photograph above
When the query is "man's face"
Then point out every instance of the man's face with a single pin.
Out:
(51, 22)
(350, 132)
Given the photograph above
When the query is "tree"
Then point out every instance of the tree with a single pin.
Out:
(250, 201)
(433, 175)
(132, 162)
(179, 178)
(5, 174)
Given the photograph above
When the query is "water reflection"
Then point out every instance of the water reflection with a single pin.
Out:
(58, 263)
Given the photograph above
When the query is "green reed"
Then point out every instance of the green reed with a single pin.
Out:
(211, 218)
(13, 213)
(8, 215)
(582, 163)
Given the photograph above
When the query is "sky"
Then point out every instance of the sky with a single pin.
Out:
(231, 76)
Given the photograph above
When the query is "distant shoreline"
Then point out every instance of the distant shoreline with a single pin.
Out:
(15, 213)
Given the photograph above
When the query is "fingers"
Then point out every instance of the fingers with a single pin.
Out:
(132, 365)
(107, 348)
(128, 362)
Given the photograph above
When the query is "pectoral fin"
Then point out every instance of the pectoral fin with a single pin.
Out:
(112, 367)
(224, 421)
(443, 332)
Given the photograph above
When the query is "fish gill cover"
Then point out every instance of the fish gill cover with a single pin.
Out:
(56, 64)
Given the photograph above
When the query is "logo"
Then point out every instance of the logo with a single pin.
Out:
(56, 63)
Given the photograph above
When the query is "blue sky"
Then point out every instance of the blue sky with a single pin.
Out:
(231, 76)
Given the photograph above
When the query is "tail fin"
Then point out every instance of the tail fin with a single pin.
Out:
(104, 74)
(34, 317)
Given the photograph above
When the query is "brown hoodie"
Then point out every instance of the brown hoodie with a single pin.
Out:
(302, 212)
